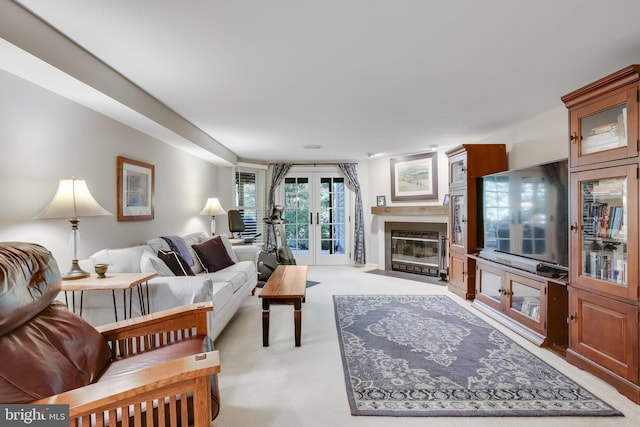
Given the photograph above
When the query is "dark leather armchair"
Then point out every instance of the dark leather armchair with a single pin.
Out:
(140, 370)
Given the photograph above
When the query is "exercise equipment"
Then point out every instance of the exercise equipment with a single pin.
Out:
(280, 253)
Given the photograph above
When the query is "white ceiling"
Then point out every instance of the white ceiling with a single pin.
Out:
(267, 78)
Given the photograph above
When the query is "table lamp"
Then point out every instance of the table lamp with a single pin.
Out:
(213, 208)
(73, 200)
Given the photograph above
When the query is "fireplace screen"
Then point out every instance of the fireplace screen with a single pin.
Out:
(415, 252)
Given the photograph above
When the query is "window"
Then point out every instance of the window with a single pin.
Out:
(296, 214)
(250, 191)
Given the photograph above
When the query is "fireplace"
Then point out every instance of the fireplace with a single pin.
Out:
(416, 247)
(415, 252)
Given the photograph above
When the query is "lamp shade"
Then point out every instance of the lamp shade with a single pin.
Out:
(212, 207)
(72, 200)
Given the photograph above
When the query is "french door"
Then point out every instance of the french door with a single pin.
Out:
(316, 210)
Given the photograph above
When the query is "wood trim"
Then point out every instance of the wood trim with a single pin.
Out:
(410, 210)
(613, 81)
(187, 316)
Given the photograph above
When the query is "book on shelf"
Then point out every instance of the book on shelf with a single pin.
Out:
(602, 219)
(607, 187)
(617, 221)
(605, 265)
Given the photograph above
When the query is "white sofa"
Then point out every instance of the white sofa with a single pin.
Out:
(226, 288)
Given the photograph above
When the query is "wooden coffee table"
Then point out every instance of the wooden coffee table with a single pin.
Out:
(286, 285)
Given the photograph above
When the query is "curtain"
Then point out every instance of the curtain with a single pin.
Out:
(278, 172)
(359, 253)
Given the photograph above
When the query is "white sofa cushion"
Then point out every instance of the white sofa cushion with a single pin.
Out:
(123, 260)
(246, 268)
(169, 292)
(235, 278)
(150, 263)
(158, 243)
(222, 294)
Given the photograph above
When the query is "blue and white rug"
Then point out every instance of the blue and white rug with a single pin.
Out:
(425, 355)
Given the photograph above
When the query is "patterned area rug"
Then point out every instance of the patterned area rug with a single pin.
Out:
(425, 355)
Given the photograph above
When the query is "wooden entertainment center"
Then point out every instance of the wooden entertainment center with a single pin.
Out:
(592, 316)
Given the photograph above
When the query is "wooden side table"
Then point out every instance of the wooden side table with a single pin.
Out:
(286, 285)
(112, 282)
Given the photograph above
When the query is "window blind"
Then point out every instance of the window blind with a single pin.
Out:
(250, 191)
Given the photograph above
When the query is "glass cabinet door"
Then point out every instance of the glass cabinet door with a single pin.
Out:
(526, 297)
(525, 300)
(490, 285)
(458, 219)
(601, 131)
(604, 130)
(458, 170)
(603, 217)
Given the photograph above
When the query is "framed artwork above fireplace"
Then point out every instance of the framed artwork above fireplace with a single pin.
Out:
(414, 177)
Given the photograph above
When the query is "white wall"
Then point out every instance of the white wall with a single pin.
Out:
(44, 138)
(540, 139)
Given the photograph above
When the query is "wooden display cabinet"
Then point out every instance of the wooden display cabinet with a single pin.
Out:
(604, 294)
(467, 163)
(533, 306)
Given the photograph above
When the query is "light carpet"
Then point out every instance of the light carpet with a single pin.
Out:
(423, 355)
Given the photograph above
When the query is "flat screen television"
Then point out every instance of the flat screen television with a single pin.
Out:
(525, 214)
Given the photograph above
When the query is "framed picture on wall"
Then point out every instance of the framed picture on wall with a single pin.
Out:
(414, 177)
(381, 201)
(135, 190)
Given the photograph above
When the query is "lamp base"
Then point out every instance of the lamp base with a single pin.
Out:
(75, 272)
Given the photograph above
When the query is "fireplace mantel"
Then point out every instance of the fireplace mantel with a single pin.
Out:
(409, 210)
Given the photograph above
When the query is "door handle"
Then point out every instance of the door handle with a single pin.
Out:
(573, 137)
(317, 217)
(311, 218)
